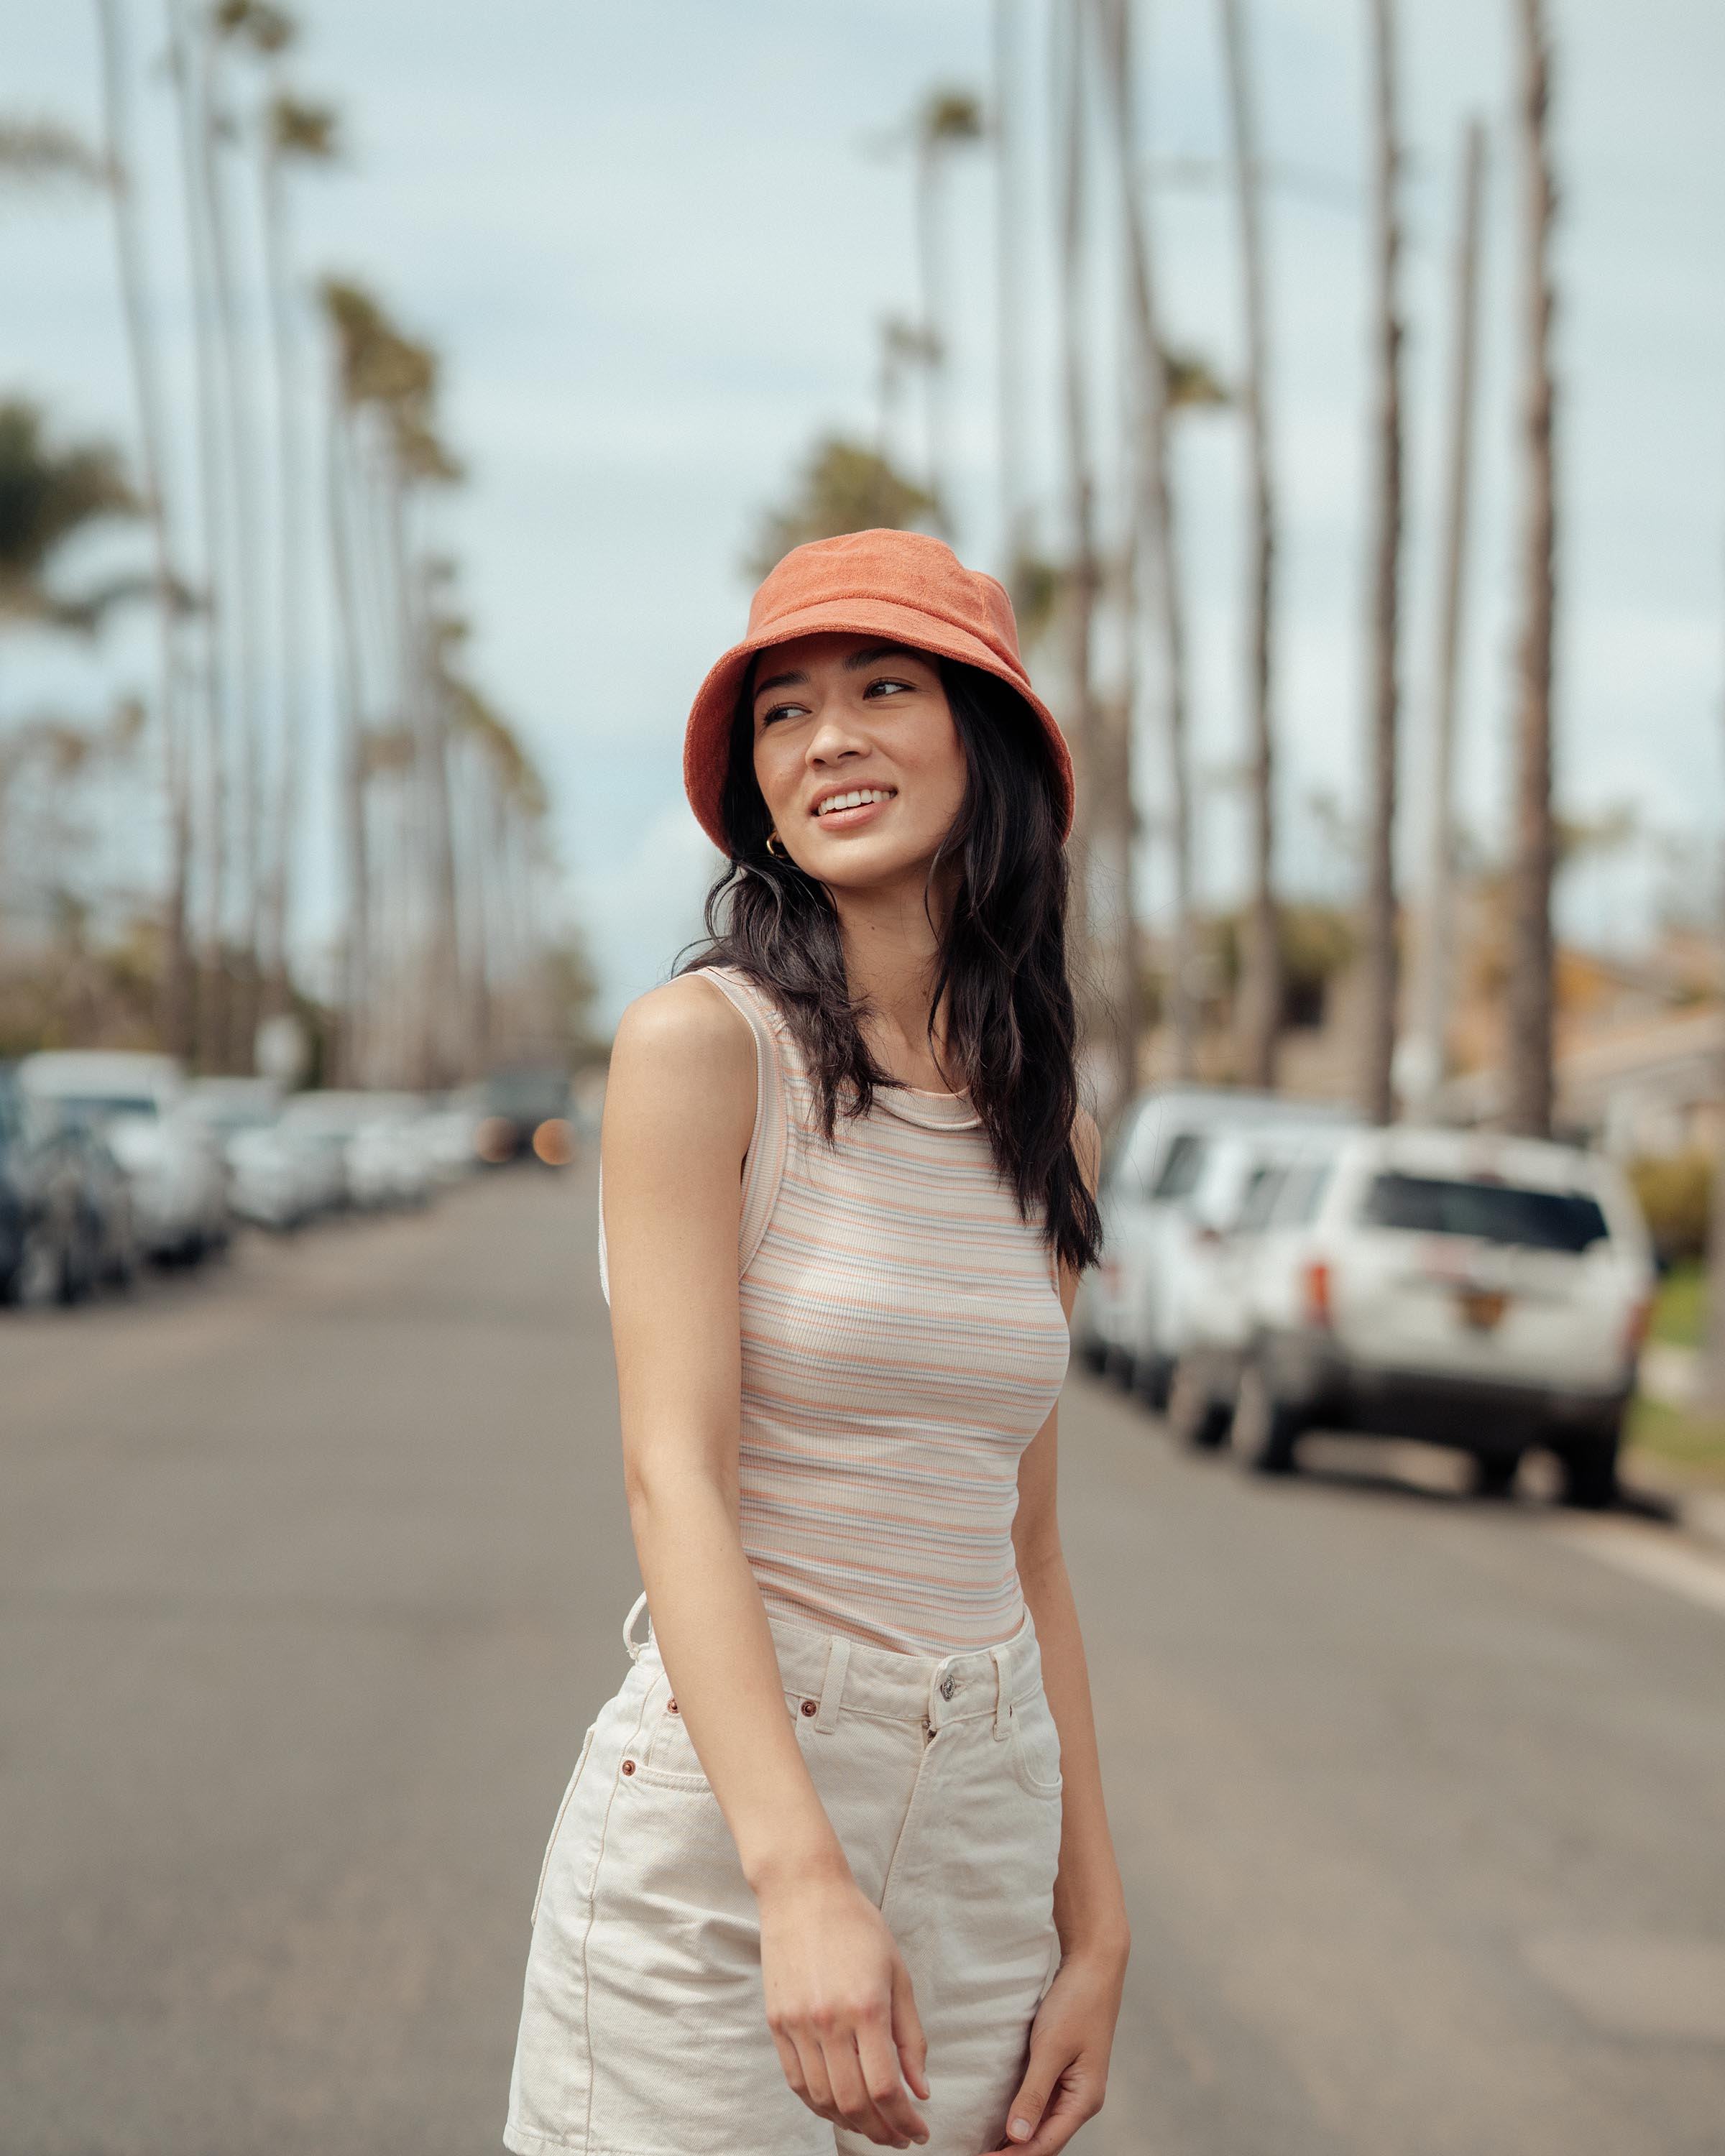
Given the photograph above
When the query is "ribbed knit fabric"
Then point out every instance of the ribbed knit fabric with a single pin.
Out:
(902, 1341)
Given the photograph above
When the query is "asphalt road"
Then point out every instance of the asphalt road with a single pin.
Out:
(311, 1571)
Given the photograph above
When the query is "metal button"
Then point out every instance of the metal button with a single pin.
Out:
(671, 1705)
(949, 1684)
(810, 1707)
(628, 1766)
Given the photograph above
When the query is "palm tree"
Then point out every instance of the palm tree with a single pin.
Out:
(947, 120)
(1437, 939)
(46, 495)
(1529, 1074)
(1009, 324)
(176, 1006)
(1155, 527)
(1085, 576)
(217, 539)
(843, 487)
(1379, 955)
(1261, 995)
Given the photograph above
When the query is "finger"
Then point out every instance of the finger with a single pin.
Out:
(856, 2107)
(817, 2090)
(907, 2033)
(885, 2081)
(1066, 2110)
(1023, 2114)
(789, 2059)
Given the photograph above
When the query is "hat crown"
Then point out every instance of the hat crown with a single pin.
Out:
(899, 568)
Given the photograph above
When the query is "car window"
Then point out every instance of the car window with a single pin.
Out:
(1260, 1196)
(1494, 1212)
(1181, 1169)
(97, 1108)
(1301, 1194)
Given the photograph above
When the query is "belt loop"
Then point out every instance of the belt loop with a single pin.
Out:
(636, 1649)
(1003, 1704)
(832, 1690)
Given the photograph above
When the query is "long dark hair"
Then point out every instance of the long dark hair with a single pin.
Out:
(1011, 1023)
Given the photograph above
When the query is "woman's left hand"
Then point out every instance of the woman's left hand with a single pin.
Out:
(1067, 2071)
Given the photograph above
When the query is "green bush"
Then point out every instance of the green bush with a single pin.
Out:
(1675, 1194)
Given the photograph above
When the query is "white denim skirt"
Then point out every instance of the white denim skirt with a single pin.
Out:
(644, 2029)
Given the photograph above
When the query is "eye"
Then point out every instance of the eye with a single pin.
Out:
(779, 711)
(889, 684)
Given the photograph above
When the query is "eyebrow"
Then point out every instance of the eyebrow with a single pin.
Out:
(796, 678)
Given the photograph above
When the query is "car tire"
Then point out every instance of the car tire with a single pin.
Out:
(1093, 1353)
(35, 1279)
(1494, 1474)
(1589, 1467)
(1194, 1418)
(1266, 1429)
(1152, 1377)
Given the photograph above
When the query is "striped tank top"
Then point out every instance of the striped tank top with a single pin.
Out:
(903, 1340)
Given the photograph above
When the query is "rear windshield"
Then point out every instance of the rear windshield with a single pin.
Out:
(1493, 1212)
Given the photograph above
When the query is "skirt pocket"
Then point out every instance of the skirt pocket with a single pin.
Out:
(557, 1824)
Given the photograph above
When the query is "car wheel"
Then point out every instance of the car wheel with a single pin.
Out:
(80, 1267)
(1267, 1429)
(35, 1279)
(1193, 1418)
(1152, 1377)
(1590, 1472)
(1093, 1353)
(1118, 1368)
(1494, 1473)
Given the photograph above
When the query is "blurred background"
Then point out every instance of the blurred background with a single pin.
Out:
(397, 407)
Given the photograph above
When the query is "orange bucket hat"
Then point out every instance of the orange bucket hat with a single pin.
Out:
(904, 585)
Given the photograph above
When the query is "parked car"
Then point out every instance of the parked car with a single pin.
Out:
(528, 1112)
(171, 1162)
(1485, 1293)
(372, 1136)
(48, 1252)
(271, 1182)
(1245, 1173)
(1123, 1316)
(109, 1216)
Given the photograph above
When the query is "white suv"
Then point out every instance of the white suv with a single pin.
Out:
(1125, 1317)
(1477, 1291)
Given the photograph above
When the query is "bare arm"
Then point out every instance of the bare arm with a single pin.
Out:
(680, 1105)
(1074, 2032)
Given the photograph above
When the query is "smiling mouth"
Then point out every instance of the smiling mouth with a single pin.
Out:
(856, 812)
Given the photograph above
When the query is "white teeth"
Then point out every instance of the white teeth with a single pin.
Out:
(853, 800)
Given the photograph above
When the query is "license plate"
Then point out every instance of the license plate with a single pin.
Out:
(1481, 1308)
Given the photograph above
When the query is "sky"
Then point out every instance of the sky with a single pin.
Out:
(655, 243)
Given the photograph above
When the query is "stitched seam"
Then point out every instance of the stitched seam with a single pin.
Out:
(592, 1911)
(558, 1824)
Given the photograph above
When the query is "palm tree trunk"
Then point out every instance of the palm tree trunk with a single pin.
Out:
(1530, 1082)
(175, 1007)
(1709, 1395)
(1156, 526)
(245, 564)
(212, 1003)
(1084, 573)
(1009, 239)
(1260, 990)
(931, 273)
(291, 593)
(1380, 956)
(357, 954)
(1438, 941)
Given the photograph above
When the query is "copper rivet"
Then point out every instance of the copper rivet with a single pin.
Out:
(808, 1707)
(671, 1705)
(628, 1766)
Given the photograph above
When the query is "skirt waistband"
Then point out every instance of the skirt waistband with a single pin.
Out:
(938, 1689)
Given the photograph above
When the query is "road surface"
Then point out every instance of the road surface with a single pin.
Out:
(312, 1570)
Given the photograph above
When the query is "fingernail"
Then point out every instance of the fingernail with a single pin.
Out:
(1020, 2129)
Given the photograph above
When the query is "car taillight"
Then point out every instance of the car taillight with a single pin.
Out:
(1317, 1282)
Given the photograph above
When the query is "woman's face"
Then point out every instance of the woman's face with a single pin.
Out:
(836, 715)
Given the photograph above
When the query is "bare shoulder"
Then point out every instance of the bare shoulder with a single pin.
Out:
(1087, 1141)
(683, 1061)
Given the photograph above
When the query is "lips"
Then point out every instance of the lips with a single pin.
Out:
(822, 815)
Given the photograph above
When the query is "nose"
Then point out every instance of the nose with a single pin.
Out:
(833, 734)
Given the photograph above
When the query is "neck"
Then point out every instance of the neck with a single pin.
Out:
(891, 955)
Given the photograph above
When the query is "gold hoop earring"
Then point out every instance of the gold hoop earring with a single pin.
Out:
(777, 852)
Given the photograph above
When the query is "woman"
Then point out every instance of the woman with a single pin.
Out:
(836, 1851)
